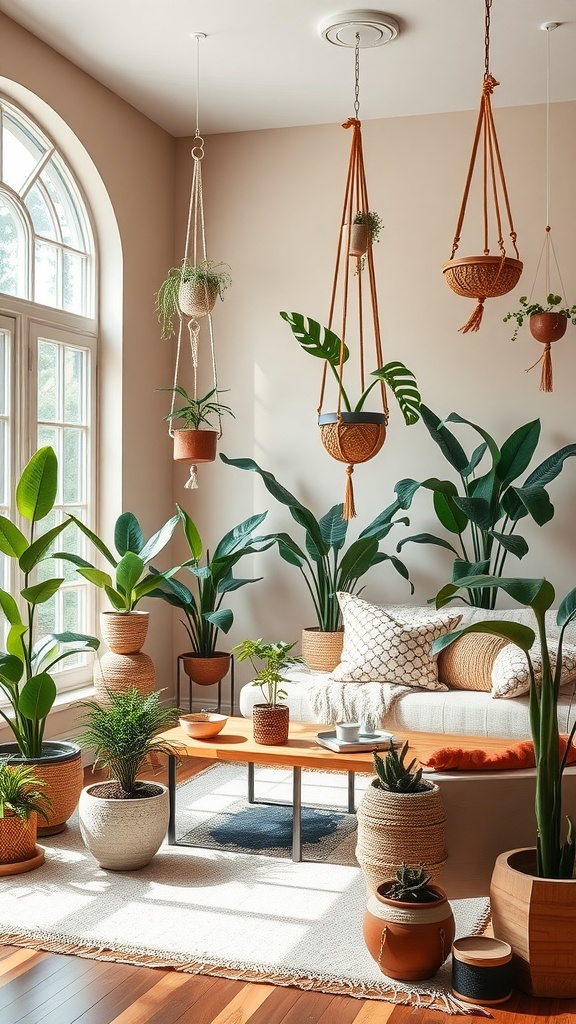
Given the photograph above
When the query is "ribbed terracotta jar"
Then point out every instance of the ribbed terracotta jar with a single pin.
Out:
(271, 724)
(408, 941)
(124, 632)
(205, 671)
(322, 650)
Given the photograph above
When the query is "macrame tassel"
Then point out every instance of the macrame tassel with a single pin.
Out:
(349, 511)
(192, 481)
(546, 379)
(194, 329)
(473, 323)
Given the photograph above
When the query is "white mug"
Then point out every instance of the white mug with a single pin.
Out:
(348, 731)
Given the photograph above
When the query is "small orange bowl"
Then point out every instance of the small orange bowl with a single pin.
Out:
(203, 725)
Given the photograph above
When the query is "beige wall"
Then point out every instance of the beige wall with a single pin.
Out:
(274, 200)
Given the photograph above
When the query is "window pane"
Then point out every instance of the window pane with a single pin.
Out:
(74, 385)
(12, 255)
(40, 213)
(65, 204)
(22, 151)
(74, 272)
(46, 275)
(45, 616)
(4, 421)
(47, 381)
(47, 435)
(73, 468)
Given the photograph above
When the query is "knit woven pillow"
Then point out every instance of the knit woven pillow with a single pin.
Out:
(467, 664)
(385, 646)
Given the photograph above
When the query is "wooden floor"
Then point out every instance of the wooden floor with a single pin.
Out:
(46, 988)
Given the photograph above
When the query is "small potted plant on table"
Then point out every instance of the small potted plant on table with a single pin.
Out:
(22, 799)
(270, 719)
(190, 289)
(193, 442)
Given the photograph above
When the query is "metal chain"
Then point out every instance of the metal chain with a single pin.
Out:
(357, 77)
(487, 39)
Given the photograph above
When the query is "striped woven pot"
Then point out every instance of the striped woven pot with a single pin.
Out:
(17, 838)
(271, 724)
(322, 651)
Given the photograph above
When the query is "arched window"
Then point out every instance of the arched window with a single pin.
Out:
(48, 350)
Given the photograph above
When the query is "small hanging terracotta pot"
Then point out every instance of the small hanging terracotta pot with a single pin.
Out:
(359, 239)
(548, 327)
(195, 445)
(408, 941)
(197, 298)
(206, 670)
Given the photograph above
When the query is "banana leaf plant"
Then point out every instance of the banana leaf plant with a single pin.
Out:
(324, 344)
(25, 667)
(324, 562)
(555, 856)
(484, 512)
(212, 579)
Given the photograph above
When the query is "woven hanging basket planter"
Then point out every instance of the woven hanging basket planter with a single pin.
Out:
(352, 437)
(195, 445)
(270, 724)
(321, 650)
(482, 277)
(206, 670)
(399, 827)
(197, 299)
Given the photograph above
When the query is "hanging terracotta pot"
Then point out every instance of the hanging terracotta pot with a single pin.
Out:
(359, 239)
(205, 670)
(18, 850)
(537, 917)
(408, 941)
(548, 327)
(195, 445)
(322, 650)
(352, 437)
(271, 724)
(197, 298)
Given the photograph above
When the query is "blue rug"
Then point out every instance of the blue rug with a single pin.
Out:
(213, 812)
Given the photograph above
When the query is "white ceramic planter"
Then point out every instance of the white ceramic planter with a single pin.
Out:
(123, 834)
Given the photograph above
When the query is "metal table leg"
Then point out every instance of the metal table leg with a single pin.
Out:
(251, 797)
(172, 799)
(296, 814)
(351, 795)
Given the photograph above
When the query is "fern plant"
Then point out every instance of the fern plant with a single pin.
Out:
(21, 791)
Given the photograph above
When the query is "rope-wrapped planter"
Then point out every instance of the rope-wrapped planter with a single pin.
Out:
(399, 827)
(270, 724)
(197, 299)
(321, 650)
(482, 277)
(352, 437)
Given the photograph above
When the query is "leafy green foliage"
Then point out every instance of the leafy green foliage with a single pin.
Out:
(25, 679)
(412, 885)
(555, 857)
(528, 309)
(197, 410)
(276, 658)
(123, 732)
(214, 276)
(203, 614)
(393, 774)
(481, 516)
(21, 791)
(326, 566)
(324, 344)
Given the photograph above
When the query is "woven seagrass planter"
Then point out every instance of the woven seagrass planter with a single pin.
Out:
(537, 917)
(482, 277)
(123, 834)
(321, 650)
(399, 827)
(408, 941)
(124, 632)
(205, 671)
(120, 672)
(197, 298)
(60, 769)
(352, 437)
(548, 327)
(270, 724)
(195, 445)
(18, 850)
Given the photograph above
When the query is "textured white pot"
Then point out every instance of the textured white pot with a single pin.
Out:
(123, 834)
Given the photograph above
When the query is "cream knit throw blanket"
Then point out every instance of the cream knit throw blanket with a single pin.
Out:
(354, 702)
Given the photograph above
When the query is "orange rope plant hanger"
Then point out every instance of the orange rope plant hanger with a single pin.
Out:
(485, 276)
(351, 434)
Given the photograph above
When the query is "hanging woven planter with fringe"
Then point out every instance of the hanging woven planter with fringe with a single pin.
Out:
(352, 437)
(487, 275)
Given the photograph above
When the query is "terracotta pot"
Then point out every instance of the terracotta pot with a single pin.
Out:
(408, 941)
(124, 632)
(359, 239)
(271, 724)
(195, 445)
(60, 768)
(322, 650)
(548, 327)
(352, 437)
(123, 834)
(537, 917)
(197, 299)
(205, 671)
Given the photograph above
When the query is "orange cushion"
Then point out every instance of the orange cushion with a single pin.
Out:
(519, 755)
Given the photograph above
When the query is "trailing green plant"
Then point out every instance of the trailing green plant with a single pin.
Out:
(215, 276)
(276, 657)
(122, 733)
(324, 344)
(325, 563)
(21, 791)
(555, 856)
(483, 514)
(197, 410)
(212, 578)
(131, 581)
(394, 775)
(375, 224)
(412, 885)
(25, 667)
(528, 309)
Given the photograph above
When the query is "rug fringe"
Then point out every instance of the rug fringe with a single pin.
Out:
(428, 1000)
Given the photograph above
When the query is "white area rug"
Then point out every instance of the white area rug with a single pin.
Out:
(256, 918)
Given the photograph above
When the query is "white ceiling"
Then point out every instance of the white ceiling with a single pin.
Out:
(263, 63)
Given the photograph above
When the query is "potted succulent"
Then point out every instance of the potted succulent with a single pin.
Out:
(364, 231)
(212, 578)
(483, 512)
(409, 925)
(22, 799)
(26, 680)
(400, 811)
(547, 322)
(191, 442)
(533, 892)
(269, 660)
(122, 820)
(124, 629)
(190, 289)
(327, 565)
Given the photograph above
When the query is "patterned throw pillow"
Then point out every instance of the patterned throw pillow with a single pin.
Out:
(385, 646)
(510, 677)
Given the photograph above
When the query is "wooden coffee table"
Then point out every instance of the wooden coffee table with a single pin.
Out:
(236, 743)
